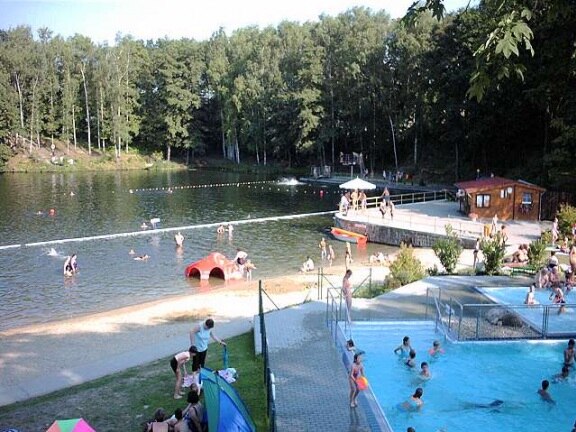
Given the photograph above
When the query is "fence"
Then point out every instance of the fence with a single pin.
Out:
(497, 321)
(269, 379)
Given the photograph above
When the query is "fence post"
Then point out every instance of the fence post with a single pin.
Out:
(477, 322)
(370, 283)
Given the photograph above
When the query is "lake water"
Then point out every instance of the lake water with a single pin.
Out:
(33, 289)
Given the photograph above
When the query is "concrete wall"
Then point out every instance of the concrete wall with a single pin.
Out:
(395, 236)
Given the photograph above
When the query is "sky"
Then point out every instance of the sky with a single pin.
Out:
(101, 20)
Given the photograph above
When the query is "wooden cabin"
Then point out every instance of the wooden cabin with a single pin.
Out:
(510, 199)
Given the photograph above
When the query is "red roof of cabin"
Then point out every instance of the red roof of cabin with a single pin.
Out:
(493, 183)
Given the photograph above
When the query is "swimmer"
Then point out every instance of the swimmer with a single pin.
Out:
(220, 229)
(494, 404)
(144, 225)
(557, 297)
(350, 345)
(411, 362)
(543, 392)
(404, 349)
(70, 265)
(530, 296)
(414, 403)
(569, 354)
(425, 371)
(436, 349)
(52, 252)
(142, 257)
(179, 239)
(562, 376)
(72, 193)
(131, 252)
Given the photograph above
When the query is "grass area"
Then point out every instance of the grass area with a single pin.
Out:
(125, 400)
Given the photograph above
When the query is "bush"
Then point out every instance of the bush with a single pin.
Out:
(546, 237)
(406, 268)
(493, 250)
(566, 219)
(448, 250)
(537, 253)
(5, 154)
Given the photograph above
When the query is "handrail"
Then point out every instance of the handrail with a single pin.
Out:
(268, 375)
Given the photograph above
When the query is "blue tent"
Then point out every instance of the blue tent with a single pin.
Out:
(226, 411)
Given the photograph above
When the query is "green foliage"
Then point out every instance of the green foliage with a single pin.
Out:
(493, 251)
(537, 253)
(448, 249)
(546, 237)
(566, 219)
(5, 155)
(406, 268)
(433, 271)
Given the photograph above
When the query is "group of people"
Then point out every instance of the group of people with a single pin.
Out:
(355, 200)
(192, 417)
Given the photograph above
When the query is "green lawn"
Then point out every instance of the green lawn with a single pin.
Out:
(123, 401)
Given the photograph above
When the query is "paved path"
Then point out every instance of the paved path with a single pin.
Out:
(311, 380)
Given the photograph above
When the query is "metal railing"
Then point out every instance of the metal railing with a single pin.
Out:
(269, 379)
(411, 221)
(493, 321)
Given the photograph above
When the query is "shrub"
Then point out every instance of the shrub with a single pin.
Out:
(537, 253)
(406, 268)
(493, 251)
(5, 154)
(448, 249)
(566, 219)
(546, 237)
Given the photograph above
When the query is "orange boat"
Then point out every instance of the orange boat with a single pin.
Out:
(349, 236)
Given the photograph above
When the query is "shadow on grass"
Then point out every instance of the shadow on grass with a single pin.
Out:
(125, 401)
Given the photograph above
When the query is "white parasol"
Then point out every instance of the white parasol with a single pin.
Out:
(358, 183)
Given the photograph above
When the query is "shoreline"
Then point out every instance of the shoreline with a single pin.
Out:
(182, 307)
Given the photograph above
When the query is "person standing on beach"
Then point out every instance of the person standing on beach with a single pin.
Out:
(322, 246)
(179, 360)
(347, 292)
(200, 336)
(331, 254)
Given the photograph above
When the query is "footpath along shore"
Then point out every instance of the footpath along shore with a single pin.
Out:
(42, 358)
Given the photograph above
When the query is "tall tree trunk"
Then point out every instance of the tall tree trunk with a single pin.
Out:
(32, 112)
(223, 133)
(373, 133)
(236, 147)
(168, 152)
(20, 100)
(102, 118)
(98, 127)
(74, 127)
(393, 141)
(87, 109)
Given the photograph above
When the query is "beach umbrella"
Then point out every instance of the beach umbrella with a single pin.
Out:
(358, 183)
(72, 425)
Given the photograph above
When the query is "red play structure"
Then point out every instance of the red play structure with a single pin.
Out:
(216, 265)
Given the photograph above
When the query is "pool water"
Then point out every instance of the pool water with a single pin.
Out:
(466, 376)
(558, 324)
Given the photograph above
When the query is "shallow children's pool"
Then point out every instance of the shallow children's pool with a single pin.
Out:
(557, 324)
(465, 380)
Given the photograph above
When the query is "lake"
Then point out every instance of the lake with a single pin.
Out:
(32, 286)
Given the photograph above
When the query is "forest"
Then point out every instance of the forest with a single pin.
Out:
(490, 89)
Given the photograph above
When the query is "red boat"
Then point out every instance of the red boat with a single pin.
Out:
(349, 236)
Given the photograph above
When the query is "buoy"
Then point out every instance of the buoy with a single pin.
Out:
(52, 212)
(321, 193)
(362, 383)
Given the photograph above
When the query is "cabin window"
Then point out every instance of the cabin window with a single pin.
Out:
(482, 200)
(527, 198)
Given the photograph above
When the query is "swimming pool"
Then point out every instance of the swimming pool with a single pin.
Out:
(466, 376)
(558, 324)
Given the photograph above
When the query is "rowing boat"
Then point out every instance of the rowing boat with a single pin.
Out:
(348, 236)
